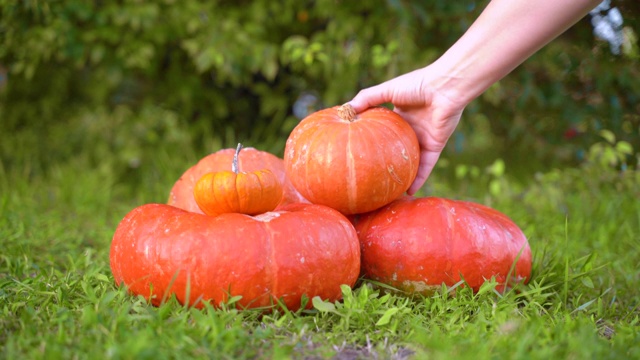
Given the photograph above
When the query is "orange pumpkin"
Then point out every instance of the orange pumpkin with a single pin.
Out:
(303, 249)
(250, 159)
(233, 191)
(417, 244)
(352, 162)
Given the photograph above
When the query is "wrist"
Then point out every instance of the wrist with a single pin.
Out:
(505, 35)
(452, 80)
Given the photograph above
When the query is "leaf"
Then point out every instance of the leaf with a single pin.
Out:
(270, 69)
(234, 299)
(584, 306)
(624, 147)
(629, 43)
(461, 171)
(608, 135)
(323, 306)
(347, 296)
(495, 187)
(346, 291)
(487, 286)
(609, 157)
(103, 278)
(386, 317)
(586, 281)
(497, 168)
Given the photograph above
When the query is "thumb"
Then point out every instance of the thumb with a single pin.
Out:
(370, 97)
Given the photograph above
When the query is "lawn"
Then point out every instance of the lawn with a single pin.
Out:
(58, 299)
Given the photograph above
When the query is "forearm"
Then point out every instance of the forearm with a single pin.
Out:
(505, 35)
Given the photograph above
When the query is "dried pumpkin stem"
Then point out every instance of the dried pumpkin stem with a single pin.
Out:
(234, 164)
(347, 112)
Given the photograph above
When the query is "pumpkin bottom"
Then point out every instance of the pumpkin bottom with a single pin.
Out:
(423, 287)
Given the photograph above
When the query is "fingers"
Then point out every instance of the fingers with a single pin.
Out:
(428, 161)
(370, 97)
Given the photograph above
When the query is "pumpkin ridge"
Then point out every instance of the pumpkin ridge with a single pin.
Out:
(258, 177)
(235, 191)
(501, 221)
(307, 172)
(442, 206)
(317, 142)
(383, 160)
(393, 133)
(248, 182)
(272, 267)
(374, 137)
(216, 192)
(495, 223)
(476, 244)
(350, 162)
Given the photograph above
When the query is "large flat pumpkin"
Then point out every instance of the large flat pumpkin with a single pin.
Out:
(302, 249)
(418, 244)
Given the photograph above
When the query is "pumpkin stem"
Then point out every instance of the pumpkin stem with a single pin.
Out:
(347, 112)
(234, 164)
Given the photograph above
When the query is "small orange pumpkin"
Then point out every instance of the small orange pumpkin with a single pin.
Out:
(250, 159)
(250, 193)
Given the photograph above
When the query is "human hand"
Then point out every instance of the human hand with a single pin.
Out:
(422, 98)
(432, 99)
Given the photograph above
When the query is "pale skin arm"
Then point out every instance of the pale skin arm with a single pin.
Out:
(432, 99)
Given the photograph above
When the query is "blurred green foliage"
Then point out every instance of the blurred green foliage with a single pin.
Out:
(119, 76)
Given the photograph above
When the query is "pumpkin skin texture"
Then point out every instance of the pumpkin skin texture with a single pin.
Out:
(352, 163)
(159, 250)
(250, 159)
(417, 244)
(250, 193)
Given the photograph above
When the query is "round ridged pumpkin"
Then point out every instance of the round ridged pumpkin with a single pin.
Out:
(235, 191)
(352, 162)
(417, 244)
(249, 159)
(302, 249)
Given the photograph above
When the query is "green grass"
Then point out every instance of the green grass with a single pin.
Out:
(58, 298)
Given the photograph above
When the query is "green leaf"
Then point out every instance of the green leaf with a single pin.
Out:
(487, 286)
(234, 299)
(461, 171)
(386, 317)
(495, 187)
(346, 290)
(323, 306)
(624, 147)
(270, 69)
(497, 168)
(475, 172)
(608, 135)
(586, 281)
(584, 306)
(103, 278)
(347, 295)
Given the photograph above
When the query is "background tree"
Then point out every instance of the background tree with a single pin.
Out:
(212, 73)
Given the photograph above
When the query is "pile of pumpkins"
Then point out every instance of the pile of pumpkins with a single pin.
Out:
(247, 225)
